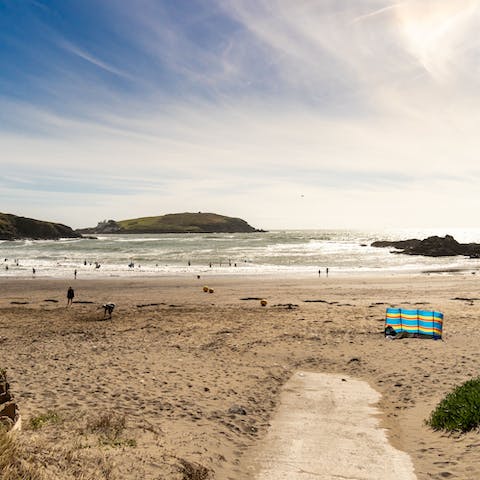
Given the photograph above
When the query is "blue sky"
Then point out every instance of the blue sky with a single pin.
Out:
(305, 114)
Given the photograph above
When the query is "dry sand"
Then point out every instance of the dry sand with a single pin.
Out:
(173, 370)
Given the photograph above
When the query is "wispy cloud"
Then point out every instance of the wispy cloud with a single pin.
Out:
(246, 105)
(88, 57)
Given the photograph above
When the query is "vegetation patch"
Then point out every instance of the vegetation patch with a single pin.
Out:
(110, 427)
(41, 420)
(13, 465)
(459, 411)
(193, 471)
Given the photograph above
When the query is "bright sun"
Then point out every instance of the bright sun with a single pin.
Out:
(432, 29)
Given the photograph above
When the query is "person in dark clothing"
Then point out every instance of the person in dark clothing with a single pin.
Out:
(70, 295)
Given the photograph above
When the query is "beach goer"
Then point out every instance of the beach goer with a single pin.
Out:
(75, 274)
(319, 272)
(33, 271)
(326, 271)
(70, 296)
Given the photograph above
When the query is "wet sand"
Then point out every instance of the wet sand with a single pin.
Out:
(196, 377)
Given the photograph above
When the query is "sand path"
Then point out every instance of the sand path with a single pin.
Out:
(325, 428)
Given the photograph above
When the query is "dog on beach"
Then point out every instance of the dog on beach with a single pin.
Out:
(108, 308)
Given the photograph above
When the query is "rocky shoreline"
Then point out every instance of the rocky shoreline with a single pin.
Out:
(432, 247)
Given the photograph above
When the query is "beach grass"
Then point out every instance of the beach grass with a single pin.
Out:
(109, 427)
(459, 411)
(39, 421)
(13, 465)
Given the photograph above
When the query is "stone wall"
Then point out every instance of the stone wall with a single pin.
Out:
(9, 415)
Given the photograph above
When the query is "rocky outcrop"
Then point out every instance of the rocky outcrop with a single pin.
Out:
(433, 247)
(174, 223)
(18, 228)
(9, 415)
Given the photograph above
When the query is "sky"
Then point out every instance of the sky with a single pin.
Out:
(288, 114)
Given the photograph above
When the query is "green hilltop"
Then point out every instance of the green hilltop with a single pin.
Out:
(174, 223)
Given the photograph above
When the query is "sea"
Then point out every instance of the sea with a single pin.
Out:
(274, 253)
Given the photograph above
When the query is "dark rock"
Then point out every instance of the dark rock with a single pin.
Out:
(237, 410)
(433, 247)
(8, 408)
(400, 244)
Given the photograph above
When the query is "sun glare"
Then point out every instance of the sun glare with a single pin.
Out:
(432, 29)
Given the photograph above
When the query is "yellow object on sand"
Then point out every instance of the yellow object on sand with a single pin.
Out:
(205, 289)
(263, 302)
(211, 290)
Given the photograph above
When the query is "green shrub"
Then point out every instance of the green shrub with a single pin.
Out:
(459, 411)
(40, 420)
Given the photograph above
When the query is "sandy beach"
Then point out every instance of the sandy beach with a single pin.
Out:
(183, 384)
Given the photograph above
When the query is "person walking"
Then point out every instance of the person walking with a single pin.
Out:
(75, 274)
(70, 296)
